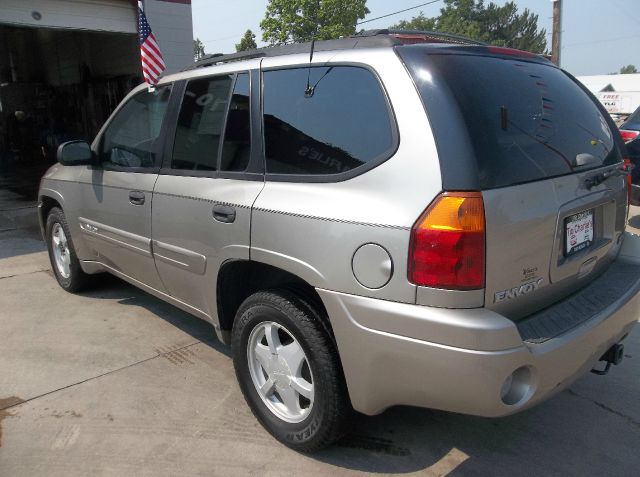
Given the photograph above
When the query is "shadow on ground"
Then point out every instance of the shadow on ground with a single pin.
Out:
(109, 287)
(568, 435)
(20, 242)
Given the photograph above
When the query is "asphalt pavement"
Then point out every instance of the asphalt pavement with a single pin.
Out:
(116, 382)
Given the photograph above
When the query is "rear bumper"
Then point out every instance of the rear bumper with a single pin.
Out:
(458, 360)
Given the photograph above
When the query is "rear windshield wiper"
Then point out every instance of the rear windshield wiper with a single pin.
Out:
(603, 176)
(585, 160)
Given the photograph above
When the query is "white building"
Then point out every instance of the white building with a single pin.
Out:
(620, 94)
(68, 63)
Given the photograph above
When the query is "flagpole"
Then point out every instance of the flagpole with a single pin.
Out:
(151, 88)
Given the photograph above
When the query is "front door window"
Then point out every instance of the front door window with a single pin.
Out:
(131, 139)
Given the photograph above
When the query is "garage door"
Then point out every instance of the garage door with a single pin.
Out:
(97, 15)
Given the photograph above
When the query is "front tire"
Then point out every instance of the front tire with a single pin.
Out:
(62, 254)
(289, 370)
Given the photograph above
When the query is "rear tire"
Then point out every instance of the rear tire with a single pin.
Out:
(62, 254)
(289, 370)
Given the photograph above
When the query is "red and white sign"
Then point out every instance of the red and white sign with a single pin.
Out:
(579, 232)
(617, 103)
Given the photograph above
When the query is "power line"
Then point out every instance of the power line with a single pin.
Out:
(625, 11)
(399, 11)
(361, 23)
(601, 41)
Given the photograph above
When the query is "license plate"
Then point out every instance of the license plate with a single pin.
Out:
(579, 232)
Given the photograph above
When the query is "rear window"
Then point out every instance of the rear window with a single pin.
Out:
(526, 121)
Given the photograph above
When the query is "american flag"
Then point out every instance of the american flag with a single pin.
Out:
(152, 62)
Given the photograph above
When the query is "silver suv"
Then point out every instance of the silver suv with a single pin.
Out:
(402, 220)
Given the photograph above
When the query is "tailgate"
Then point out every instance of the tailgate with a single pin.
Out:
(531, 262)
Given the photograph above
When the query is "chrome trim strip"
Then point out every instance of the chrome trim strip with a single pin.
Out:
(281, 212)
(202, 199)
(183, 258)
(328, 219)
(141, 245)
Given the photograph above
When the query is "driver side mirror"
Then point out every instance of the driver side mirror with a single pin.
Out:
(75, 153)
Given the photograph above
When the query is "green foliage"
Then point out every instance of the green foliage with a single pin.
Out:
(198, 49)
(419, 22)
(629, 69)
(497, 25)
(288, 21)
(247, 42)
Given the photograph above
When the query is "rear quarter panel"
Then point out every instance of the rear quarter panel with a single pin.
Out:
(313, 229)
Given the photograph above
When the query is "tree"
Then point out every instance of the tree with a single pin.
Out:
(497, 25)
(297, 20)
(198, 49)
(247, 42)
(419, 22)
(629, 69)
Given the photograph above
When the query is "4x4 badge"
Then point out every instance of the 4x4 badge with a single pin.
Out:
(516, 292)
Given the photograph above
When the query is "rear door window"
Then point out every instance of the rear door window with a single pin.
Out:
(345, 124)
(526, 121)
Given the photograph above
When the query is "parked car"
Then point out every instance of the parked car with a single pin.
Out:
(433, 224)
(630, 131)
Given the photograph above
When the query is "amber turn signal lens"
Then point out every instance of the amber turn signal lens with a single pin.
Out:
(457, 213)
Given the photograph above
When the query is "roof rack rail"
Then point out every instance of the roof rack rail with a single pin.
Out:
(422, 36)
(362, 39)
(217, 58)
(324, 45)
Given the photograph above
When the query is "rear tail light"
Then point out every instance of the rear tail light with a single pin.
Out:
(447, 248)
(628, 136)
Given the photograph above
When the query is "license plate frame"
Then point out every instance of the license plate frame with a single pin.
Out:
(578, 232)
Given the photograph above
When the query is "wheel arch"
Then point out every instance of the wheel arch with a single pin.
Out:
(48, 200)
(239, 279)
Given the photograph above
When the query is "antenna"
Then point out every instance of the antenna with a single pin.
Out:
(309, 90)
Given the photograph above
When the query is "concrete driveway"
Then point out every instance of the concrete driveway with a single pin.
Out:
(115, 382)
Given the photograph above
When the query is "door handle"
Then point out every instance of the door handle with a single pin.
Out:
(224, 213)
(136, 197)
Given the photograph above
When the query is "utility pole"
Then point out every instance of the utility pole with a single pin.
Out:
(556, 39)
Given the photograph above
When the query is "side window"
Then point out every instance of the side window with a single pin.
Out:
(131, 139)
(236, 149)
(200, 122)
(345, 124)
